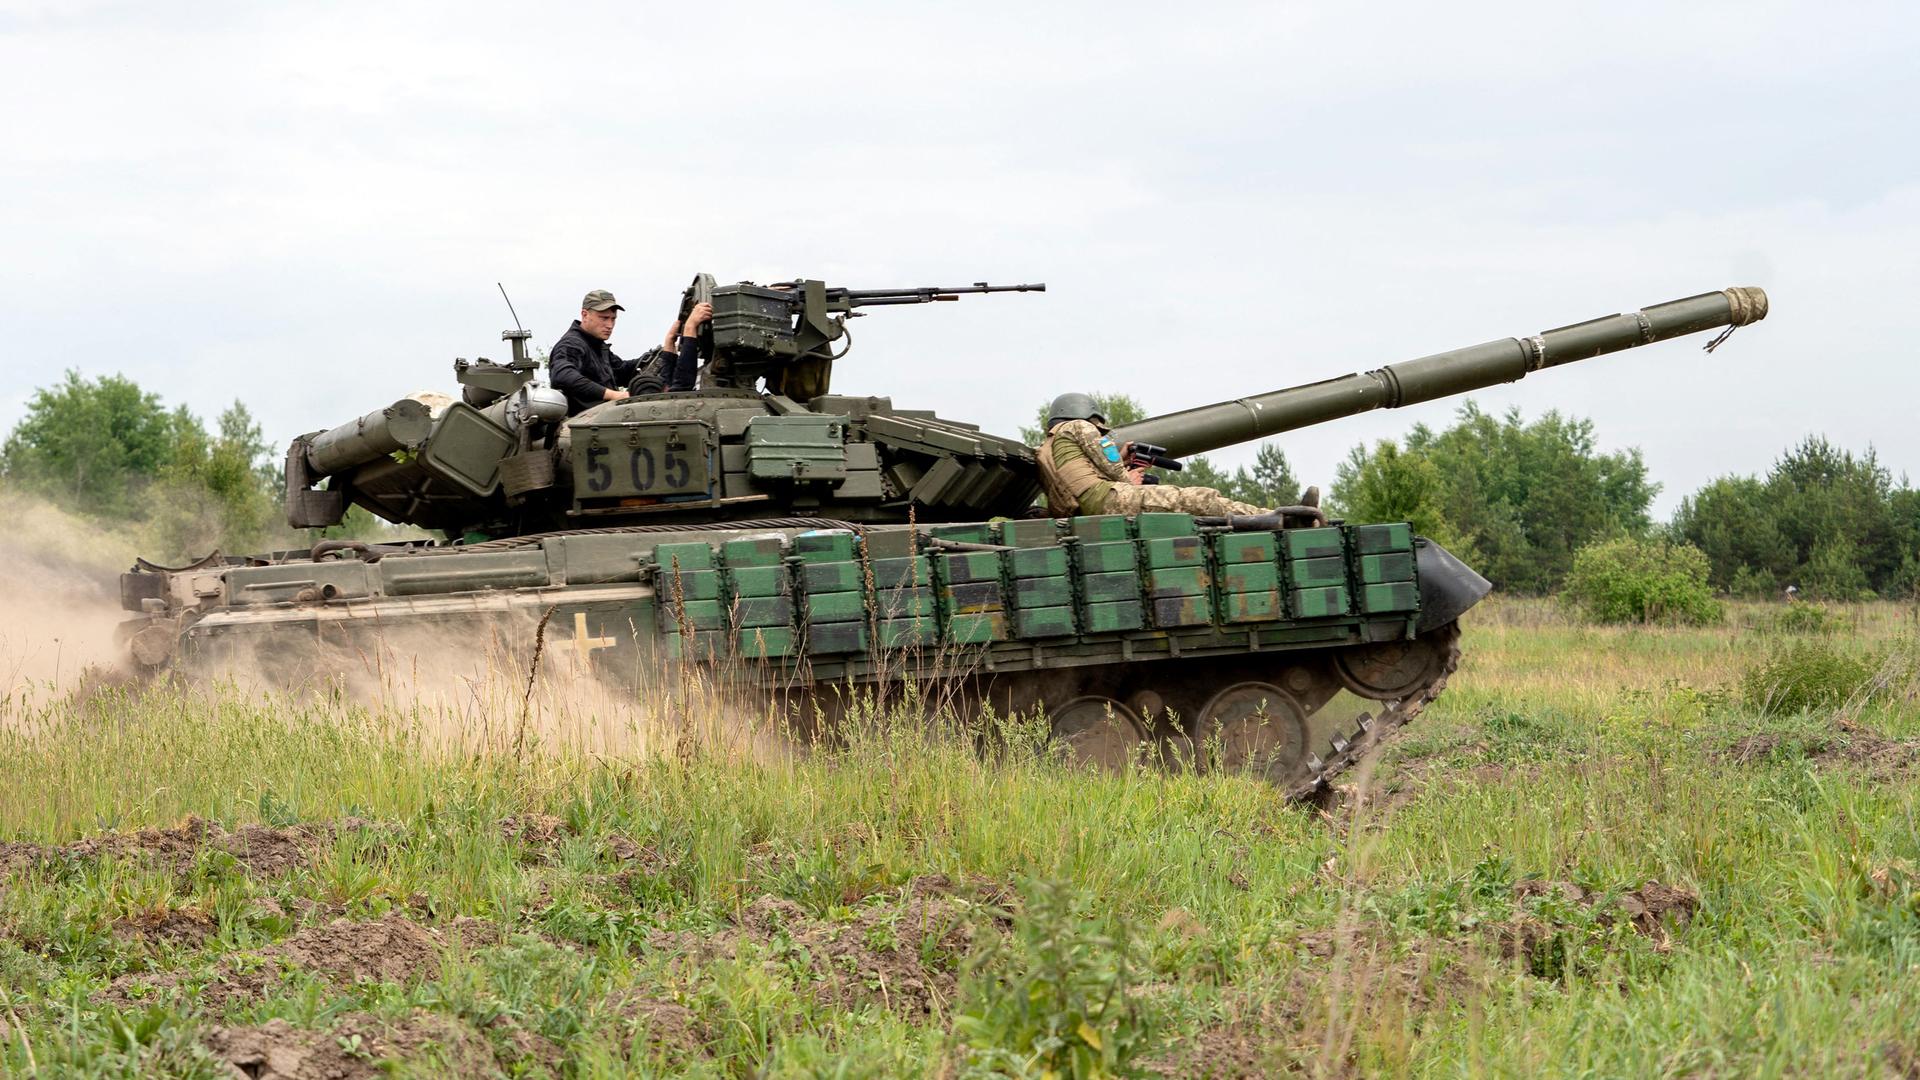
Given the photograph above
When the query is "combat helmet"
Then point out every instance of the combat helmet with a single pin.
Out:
(1074, 407)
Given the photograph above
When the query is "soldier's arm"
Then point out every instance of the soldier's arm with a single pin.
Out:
(1103, 452)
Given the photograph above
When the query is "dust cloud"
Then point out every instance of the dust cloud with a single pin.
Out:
(492, 682)
(59, 601)
(484, 681)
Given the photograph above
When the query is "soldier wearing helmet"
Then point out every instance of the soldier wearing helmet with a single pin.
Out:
(1085, 472)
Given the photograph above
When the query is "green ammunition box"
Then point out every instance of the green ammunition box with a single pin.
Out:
(1178, 581)
(1042, 592)
(1377, 539)
(977, 629)
(829, 638)
(1152, 526)
(1244, 547)
(1395, 567)
(904, 633)
(832, 576)
(705, 648)
(1176, 551)
(1319, 603)
(1045, 622)
(1037, 562)
(690, 556)
(827, 546)
(1313, 543)
(761, 581)
(891, 544)
(1312, 573)
(1100, 588)
(1245, 607)
(895, 572)
(1025, 534)
(763, 642)
(1389, 596)
(1107, 618)
(833, 607)
(761, 551)
(971, 566)
(762, 611)
(1248, 577)
(975, 597)
(972, 533)
(1180, 610)
(903, 602)
(691, 585)
(1101, 527)
(1109, 555)
(693, 614)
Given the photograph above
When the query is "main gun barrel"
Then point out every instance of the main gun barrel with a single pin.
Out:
(1226, 423)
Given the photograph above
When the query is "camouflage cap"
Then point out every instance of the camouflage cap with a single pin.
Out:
(600, 300)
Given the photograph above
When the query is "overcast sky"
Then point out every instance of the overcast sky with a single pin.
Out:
(307, 206)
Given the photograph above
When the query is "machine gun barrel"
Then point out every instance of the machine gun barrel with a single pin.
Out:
(1226, 423)
(923, 294)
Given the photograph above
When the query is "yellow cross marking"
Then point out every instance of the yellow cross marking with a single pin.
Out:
(582, 643)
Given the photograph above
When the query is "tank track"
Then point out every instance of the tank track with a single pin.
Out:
(1371, 731)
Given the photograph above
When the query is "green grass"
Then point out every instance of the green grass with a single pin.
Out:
(620, 925)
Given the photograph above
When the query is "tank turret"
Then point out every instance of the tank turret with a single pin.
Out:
(507, 460)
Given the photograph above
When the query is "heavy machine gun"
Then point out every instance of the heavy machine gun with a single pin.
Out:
(785, 332)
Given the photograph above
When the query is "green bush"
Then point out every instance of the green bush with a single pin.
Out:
(1807, 675)
(1810, 620)
(1629, 580)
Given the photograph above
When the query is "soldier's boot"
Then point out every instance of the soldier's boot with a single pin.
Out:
(1311, 496)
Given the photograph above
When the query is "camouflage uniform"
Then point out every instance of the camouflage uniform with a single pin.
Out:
(1084, 474)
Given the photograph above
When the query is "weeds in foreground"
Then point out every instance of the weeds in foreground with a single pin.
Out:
(601, 907)
(1053, 998)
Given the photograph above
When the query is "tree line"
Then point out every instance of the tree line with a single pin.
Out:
(1517, 499)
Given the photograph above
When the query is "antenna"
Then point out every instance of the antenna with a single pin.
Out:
(509, 300)
(518, 335)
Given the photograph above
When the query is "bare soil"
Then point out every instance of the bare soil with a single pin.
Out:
(876, 958)
(667, 1026)
(1653, 910)
(170, 926)
(358, 1047)
(1880, 756)
(263, 850)
(540, 834)
(393, 949)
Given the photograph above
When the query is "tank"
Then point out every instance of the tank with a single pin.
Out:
(815, 545)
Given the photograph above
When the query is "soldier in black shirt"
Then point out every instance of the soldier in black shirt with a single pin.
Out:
(581, 365)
